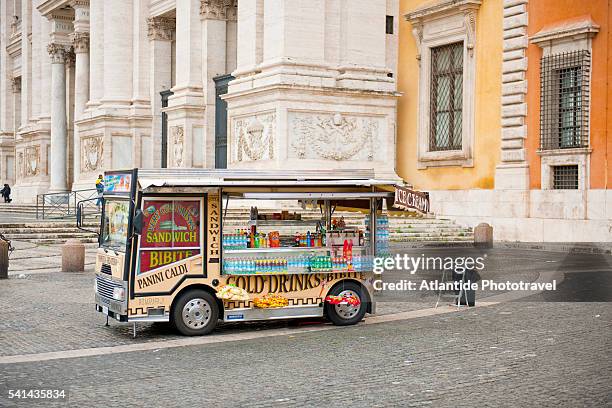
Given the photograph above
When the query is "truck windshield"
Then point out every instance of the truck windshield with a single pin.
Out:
(115, 225)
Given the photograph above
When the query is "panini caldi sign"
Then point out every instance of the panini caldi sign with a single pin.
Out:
(406, 199)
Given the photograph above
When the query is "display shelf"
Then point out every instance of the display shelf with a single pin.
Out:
(294, 271)
(274, 250)
(287, 250)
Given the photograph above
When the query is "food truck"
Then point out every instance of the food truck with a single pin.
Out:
(170, 251)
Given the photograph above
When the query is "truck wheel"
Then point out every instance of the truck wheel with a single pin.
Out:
(195, 313)
(345, 315)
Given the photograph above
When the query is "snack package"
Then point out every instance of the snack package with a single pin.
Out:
(232, 292)
(270, 300)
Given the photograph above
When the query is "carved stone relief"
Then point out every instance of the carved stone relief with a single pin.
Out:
(32, 161)
(332, 137)
(92, 153)
(20, 165)
(253, 138)
(161, 28)
(218, 9)
(178, 145)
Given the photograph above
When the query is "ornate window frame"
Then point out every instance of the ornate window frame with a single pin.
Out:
(445, 22)
(563, 37)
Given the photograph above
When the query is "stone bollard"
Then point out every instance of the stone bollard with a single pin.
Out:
(73, 256)
(4, 259)
(483, 236)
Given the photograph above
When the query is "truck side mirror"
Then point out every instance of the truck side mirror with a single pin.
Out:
(138, 218)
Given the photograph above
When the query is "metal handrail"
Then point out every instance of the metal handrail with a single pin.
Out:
(64, 204)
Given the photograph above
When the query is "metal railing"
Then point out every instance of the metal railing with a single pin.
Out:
(64, 204)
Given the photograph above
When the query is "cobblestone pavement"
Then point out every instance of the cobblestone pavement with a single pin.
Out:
(43, 312)
(513, 354)
(539, 351)
(29, 258)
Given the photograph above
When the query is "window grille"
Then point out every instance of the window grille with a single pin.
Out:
(446, 99)
(565, 177)
(564, 100)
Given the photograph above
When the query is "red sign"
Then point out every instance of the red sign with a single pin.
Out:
(170, 225)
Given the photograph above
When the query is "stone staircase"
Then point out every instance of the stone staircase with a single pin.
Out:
(50, 232)
(409, 229)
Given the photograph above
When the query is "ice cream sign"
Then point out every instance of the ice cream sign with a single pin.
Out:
(171, 232)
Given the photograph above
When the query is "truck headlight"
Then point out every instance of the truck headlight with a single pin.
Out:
(95, 286)
(118, 294)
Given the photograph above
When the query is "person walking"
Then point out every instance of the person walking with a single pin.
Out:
(99, 189)
(6, 193)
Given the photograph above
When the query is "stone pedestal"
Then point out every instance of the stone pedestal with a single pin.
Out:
(322, 98)
(73, 256)
(4, 259)
(483, 236)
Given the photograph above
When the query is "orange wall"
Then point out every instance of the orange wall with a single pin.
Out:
(487, 106)
(545, 12)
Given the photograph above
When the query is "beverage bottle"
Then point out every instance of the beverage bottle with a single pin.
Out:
(308, 239)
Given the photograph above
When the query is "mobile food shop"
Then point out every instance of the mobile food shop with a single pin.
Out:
(169, 254)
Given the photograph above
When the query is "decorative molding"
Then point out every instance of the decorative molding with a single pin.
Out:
(417, 32)
(15, 25)
(219, 9)
(16, 84)
(161, 28)
(20, 169)
(470, 30)
(58, 53)
(92, 153)
(79, 3)
(334, 137)
(441, 8)
(70, 58)
(254, 138)
(177, 134)
(574, 29)
(80, 42)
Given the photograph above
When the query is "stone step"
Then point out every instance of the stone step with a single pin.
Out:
(429, 239)
(52, 241)
(26, 230)
(31, 236)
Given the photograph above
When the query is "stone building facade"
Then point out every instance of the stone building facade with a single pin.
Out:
(90, 85)
(528, 143)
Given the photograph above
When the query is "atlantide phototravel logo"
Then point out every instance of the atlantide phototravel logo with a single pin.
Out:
(446, 273)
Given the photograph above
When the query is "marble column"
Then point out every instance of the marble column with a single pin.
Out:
(80, 43)
(160, 34)
(118, 54)
(58, 53)
(96, 73)
(215, 15)
(26, 64)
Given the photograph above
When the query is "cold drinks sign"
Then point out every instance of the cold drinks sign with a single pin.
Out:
(171, 232)
(409, 199)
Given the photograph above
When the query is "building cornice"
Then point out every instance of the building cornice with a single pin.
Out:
(161, 7)
(441, 8)
(582, 27)
(49, 6)
(14, 46)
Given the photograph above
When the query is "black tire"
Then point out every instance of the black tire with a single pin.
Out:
(195, 313)
(335, 313)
